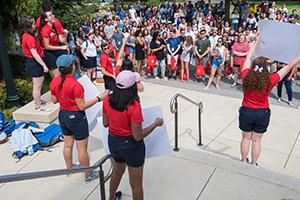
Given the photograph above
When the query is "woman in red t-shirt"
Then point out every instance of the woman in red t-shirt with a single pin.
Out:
(122, 114)
(254, 115)
(50, 41)
(239, 50)
(69, 93)
(34, 59)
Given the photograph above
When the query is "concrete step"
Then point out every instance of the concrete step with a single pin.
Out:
(28, 112)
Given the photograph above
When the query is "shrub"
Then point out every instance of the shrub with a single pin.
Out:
(24, 91)
(8, 112)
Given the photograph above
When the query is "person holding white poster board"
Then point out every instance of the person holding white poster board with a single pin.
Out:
(122, 114)
(69, 93)
(254, 115)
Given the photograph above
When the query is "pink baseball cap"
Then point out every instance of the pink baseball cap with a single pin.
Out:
(126, 79)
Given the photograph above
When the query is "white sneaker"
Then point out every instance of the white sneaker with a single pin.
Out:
(43, 109)
(290, 103)
(279, 100)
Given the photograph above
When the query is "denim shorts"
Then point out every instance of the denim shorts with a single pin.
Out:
(256, 120)
(125, 149)
(74, 123)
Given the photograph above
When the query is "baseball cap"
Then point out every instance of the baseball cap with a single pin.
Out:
(126, 79)
(65, 60)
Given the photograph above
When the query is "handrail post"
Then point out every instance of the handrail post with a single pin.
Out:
(102, 185)
(199, 123)
(176, 126)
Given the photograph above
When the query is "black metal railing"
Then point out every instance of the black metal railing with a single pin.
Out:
(174, 109)
(59, 172)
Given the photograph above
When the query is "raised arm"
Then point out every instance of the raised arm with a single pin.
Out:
(286, 69)
(247, 63)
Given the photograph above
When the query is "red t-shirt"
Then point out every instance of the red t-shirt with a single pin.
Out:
(120, 122)
(57, 25)
(242, 48)
(48, 32)
(70, 91)
(30, 42)
(255, 99)
(105, 62)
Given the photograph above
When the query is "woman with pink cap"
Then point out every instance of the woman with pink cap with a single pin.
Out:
(122, 114)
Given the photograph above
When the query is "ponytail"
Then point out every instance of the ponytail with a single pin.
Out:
(64, 72)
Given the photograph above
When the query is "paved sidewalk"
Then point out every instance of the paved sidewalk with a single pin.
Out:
(208, 172)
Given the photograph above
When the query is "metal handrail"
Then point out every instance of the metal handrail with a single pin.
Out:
(174, 109)
(58, 172)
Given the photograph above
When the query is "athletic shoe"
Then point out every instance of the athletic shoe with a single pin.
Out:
(279, 100)
(233, 85)
(43, 102)
(93, 176)
(118, 195)
(43, 109)
(290, 103)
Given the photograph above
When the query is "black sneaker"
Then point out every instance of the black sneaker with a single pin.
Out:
(118, 195)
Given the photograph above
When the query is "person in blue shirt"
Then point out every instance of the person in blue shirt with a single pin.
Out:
(173, 47)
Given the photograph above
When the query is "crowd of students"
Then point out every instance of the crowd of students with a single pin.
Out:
(161, 41)
(179, 36)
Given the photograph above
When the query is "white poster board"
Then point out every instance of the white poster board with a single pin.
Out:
(90, 92)
(157, 143)
(278, 40)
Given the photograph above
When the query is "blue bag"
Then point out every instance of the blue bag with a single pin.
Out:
(2, 120)
(9, 127)
(51, 135)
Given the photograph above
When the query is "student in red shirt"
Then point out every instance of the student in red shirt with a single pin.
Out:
(62, 33)
(109, 74)
(50, 42)
(239, 50)
(34, 59)
(254, 115)
(69, 93)
(122, 114)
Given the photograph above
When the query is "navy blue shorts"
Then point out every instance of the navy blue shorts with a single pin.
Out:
(34, 68)
(51, 56)
(256, 120)
(127, 150)
(74, 123)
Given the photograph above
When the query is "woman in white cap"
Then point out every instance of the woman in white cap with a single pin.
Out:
(122, 114)
(69, 93)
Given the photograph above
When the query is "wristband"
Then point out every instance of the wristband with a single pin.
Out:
(98, 98)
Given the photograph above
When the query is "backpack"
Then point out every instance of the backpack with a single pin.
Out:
(2, 120)
(9, 127)
(51, 135)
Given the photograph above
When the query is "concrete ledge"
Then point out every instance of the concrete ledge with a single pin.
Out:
(28, 112)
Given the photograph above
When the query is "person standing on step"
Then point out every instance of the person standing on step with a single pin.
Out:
(202, 49)
(89, 52)
(50, 42)
(69, 93)
(122, 114)
(34, 55)
(254, 115)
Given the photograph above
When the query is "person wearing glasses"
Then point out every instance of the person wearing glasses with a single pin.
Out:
(202, 49)
(219, 54)
(107, 69)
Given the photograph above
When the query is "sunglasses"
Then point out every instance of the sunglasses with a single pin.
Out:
(105, 48)
(220, 41)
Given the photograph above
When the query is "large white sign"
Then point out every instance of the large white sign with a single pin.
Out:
(278, 40)
(90, 92)
(157, 143)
